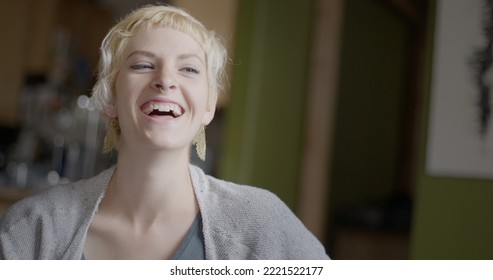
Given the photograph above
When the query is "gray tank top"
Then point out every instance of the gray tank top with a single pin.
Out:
(192, 247)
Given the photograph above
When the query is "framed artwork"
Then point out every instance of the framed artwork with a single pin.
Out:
(460, 131)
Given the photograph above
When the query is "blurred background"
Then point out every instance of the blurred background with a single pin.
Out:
(327, 107)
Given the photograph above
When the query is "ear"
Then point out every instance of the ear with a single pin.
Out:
(208, 115)
(210, 111)
(110, 111)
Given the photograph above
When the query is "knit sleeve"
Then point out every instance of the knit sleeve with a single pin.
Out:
(42, 226)
(18, 232)
(259, 221)
(283, 233)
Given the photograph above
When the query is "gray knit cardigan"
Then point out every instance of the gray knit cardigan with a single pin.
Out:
(239, 222)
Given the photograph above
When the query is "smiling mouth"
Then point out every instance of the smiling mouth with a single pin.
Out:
(162, 109)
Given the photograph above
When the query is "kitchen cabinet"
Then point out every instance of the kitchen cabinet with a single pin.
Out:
(41, 38)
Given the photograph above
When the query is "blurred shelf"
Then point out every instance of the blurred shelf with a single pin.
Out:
(10, 194)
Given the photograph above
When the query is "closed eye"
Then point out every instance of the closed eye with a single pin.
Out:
(191, 70)
(141, 66)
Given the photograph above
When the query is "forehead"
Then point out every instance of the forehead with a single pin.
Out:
(163, 40)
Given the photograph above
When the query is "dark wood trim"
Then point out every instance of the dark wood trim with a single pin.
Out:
(320, 114)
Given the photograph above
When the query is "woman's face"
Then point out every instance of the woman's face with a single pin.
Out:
(161, 91)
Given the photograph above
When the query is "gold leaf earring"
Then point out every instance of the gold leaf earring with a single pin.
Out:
(200, 144)
(111, 136)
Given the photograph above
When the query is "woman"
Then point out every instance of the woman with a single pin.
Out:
(159, 77)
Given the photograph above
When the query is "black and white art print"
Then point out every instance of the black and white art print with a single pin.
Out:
(460, 131)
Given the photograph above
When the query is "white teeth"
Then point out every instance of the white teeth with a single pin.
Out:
(169, 107)
(177, 111)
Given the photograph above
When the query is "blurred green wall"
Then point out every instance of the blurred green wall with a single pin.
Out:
(263, 129)
(263, 132)
(370, 107)
(453, 218)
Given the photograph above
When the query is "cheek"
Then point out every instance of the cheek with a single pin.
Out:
(203, 103)
(205, 95)
(123, 94)
(125, 87)
(120, 83)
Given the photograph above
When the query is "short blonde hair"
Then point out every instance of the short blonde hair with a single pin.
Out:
(116, 40)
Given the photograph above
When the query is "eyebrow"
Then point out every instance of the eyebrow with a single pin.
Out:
(152, 55)
(144, 53)
(190, 55)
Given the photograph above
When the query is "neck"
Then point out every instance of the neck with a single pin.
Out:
(149, 184)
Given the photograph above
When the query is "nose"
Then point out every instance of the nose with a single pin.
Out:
(164, 82)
